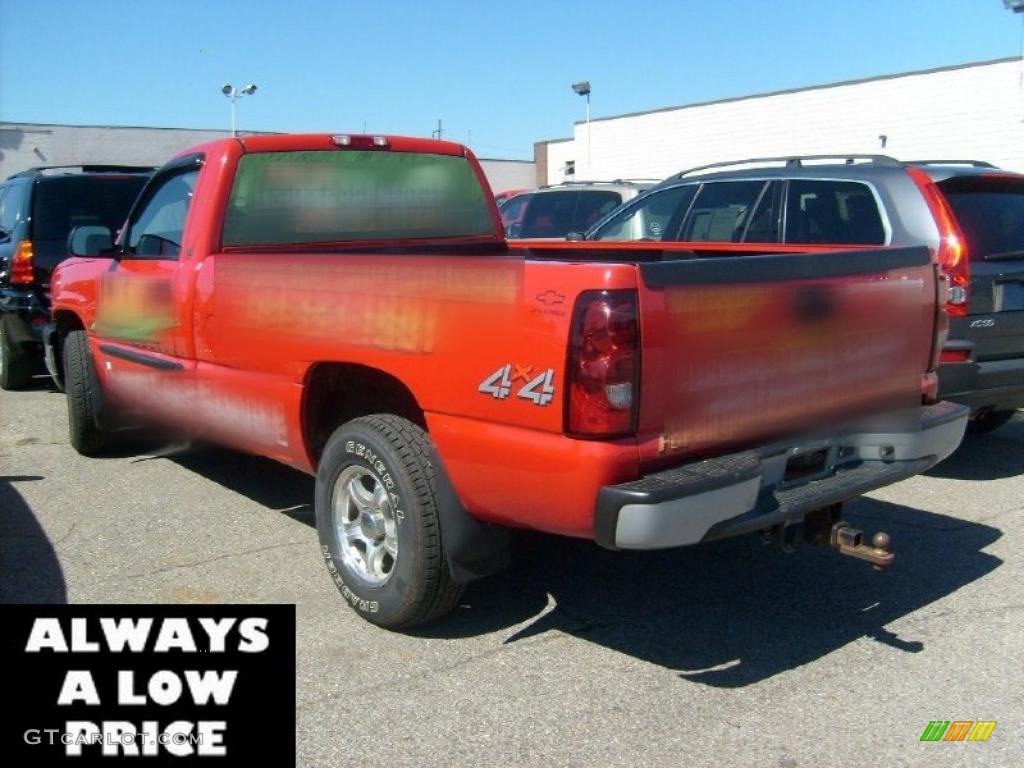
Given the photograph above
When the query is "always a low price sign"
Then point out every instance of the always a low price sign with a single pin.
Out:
(149, 684)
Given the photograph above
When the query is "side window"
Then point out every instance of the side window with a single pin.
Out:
(156, 230)
(763, 226)
(649, 217)
(721, 211)
(841, 212)
(592, 206)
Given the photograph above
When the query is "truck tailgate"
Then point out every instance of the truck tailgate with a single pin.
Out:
(740, 349)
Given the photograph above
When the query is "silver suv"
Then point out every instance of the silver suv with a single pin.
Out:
(969, 212)
(555, 211)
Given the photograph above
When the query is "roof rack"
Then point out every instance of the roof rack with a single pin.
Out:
(793, 160)
(40, 170)
(591, 182)
(971, 163)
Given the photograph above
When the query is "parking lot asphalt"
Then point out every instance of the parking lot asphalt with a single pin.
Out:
(726, 654)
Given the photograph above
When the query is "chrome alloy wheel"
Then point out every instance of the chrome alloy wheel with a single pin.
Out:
(364, 524)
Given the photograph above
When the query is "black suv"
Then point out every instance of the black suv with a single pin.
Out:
(969, 212)
(38, 208)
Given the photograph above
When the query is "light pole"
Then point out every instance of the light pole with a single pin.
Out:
(582, 88)
(234, 94)
(1017, 6)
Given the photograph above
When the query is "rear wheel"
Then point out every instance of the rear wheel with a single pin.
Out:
(378, 522)
(85, 397)
(15, 365)
(986, 422)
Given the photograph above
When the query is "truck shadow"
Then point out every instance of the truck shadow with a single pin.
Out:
(30, 571)
(987, 457)
(725, 614)
(734, 612)
(267, 482)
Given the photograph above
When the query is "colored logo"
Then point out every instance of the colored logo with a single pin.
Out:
(958, 730)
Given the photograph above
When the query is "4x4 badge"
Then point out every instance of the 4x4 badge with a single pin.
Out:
(539, 390)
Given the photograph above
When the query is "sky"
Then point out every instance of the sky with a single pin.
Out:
(498, 74)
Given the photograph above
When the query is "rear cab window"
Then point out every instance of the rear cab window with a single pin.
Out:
(324, 196)
(840, 212)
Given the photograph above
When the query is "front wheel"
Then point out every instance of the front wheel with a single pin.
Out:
(84, 396)
(378, 522)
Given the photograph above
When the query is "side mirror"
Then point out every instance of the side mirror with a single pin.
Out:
(575, 236)
(89, 240)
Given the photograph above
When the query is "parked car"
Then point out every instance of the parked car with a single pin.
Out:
(38, 208)
(970, 212)
(347, 305)
(508, 194)
(555, 211)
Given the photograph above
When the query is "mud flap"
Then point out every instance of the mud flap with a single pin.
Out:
(474, 549)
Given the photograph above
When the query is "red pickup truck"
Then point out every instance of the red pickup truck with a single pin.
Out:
(348, 305)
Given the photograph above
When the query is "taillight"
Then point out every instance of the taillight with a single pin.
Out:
(603, 370)
(23, 264)
(952, 255)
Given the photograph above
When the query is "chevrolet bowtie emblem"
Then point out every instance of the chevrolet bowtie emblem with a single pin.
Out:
(550, 296)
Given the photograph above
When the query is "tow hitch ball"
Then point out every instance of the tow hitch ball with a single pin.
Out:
(824, 527)
(849, 541)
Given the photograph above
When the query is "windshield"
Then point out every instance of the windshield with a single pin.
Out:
(990, 211)
(64, 202)
(330, 196)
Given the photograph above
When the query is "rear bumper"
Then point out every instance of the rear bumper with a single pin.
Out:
(995, 384)
(743, 492)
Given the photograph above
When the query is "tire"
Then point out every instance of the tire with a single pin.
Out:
(989, 421)
(378, 522)
(15, 365)
(84, 396)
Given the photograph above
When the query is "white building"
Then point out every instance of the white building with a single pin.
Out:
(971, 111)
(28, 145)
